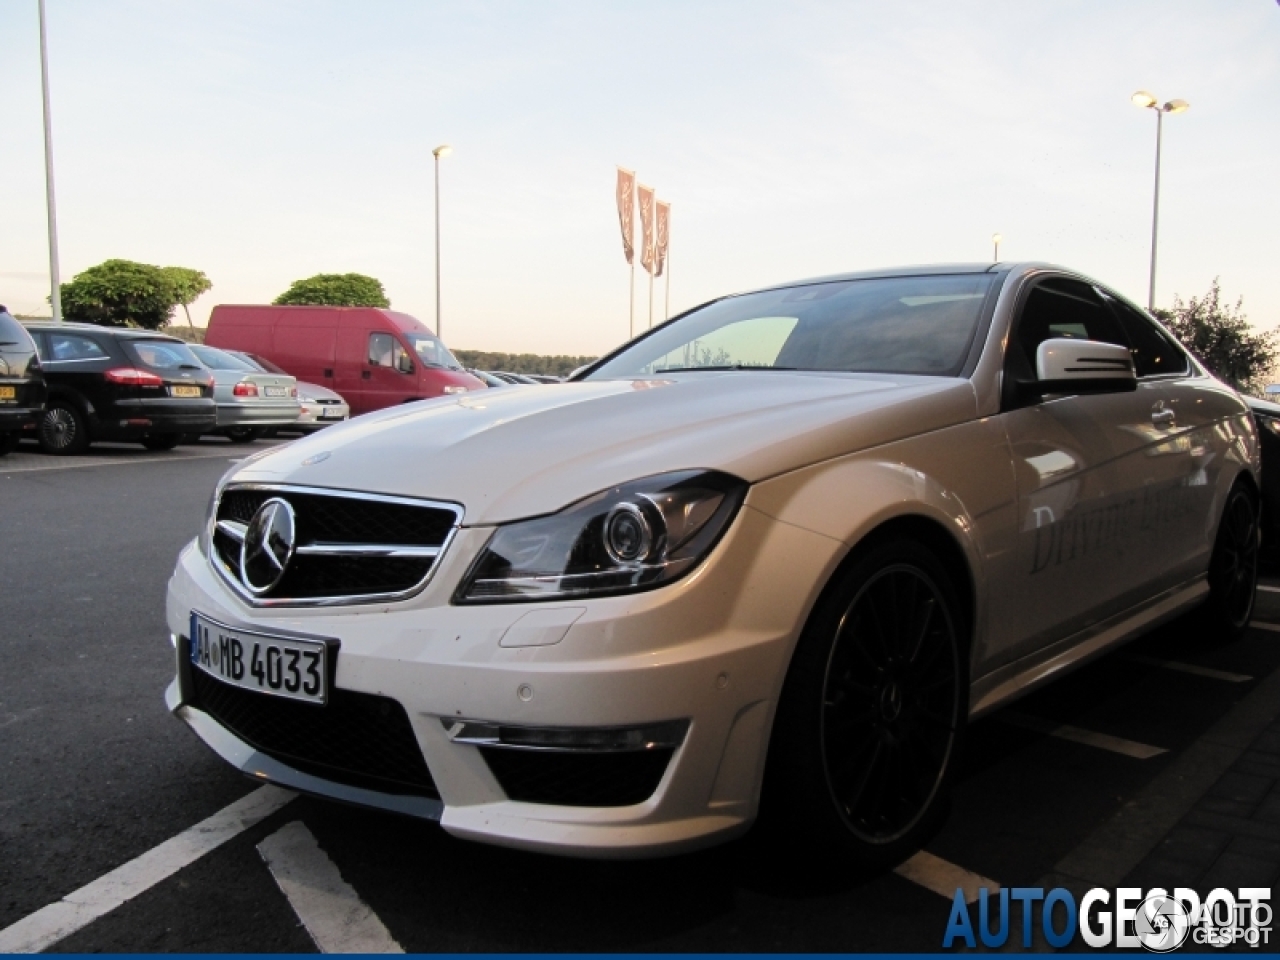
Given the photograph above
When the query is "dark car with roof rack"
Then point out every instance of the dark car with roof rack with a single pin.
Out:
(122, 384)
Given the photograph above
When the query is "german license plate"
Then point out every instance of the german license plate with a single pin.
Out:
(184, 391)
(280, 666)
(276, 391)
(8, 393)
(329, 413)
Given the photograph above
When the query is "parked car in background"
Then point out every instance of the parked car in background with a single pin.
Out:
(22, 387)
(771, 556)
(321, 407)
(488, 379)
(1266, 414)
(249, 402)
(512, 378)
(373, 358)
(543, 378)
(116, 383)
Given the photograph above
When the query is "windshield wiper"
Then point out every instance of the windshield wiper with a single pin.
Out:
(732, 366)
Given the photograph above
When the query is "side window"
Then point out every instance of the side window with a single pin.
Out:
(1153, 352)
(386, 351)
(1065, 308)
(69, 346)
(380, 349)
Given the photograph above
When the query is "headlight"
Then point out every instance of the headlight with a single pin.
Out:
(633, 537)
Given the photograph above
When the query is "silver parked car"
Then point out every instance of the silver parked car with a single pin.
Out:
(249, 401)
(321, 407)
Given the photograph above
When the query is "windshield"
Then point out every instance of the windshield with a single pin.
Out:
(161, 354)
(914, 325)
(216, 359)
(431, 351)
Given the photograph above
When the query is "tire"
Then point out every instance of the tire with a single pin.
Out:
(244, 434)
(868, 731)
(1233, 566)
(63, 430)
(162, 441)
(8, 443)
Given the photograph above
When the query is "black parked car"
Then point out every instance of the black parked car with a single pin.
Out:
(22, 388)
(1267, 417)
(111, 383)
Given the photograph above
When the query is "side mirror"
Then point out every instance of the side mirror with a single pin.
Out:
(1065, 365)
(404, 364)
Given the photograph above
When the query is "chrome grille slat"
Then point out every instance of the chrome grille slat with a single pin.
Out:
(351, 547)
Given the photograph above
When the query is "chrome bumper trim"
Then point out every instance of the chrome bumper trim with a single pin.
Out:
(667, 734)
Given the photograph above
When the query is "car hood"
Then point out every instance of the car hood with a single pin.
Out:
(317, 392)
(507, 454)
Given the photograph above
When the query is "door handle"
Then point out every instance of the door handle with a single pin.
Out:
(365, 375)
(1161, 417)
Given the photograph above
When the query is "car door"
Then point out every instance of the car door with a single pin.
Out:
(389, 374)
(1203, 422)
(1085, 475)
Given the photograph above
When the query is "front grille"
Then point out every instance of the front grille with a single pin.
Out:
(357, 739)
(578, 779)
(327, 525)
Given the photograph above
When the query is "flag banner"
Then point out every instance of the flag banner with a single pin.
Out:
(662, 231)
(626, 211)
(645, 195)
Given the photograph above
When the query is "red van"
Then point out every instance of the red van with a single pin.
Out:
(374, 358)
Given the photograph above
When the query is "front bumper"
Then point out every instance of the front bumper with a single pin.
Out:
(710, 649)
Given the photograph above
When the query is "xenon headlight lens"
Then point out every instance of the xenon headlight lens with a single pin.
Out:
(636, 536)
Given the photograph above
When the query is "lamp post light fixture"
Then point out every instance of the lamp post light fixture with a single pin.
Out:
(1147, 101)
(441, 151)
(995, 240)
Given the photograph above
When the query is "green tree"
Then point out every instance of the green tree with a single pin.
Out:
(187, 285)
(120, 293)
(1221, 338)
(336, 290)
(554, 366)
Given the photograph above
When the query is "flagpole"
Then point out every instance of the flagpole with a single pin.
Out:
(667, 308)
(650, 298)
(633, 299)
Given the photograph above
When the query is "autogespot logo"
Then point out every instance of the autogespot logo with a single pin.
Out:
(1157, 920)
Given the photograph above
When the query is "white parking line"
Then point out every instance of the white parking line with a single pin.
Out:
(1192, 668)
(943, 878)
(333, 913)
(50, 924)
(109, 462)
(1065, 731)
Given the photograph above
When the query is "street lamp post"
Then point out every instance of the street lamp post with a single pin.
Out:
(55, 279)
(441, 151)
(995, 242)
(1147, 101)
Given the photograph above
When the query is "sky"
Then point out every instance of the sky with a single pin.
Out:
(263, 141)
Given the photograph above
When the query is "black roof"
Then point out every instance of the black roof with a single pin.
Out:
(125, 333)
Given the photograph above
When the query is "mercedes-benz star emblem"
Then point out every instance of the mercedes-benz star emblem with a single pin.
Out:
(268, 546)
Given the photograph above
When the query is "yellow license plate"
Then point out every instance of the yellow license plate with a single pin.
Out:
(185, 391)
(8, 393)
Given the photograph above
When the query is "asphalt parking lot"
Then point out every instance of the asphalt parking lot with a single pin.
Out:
(1155, 766)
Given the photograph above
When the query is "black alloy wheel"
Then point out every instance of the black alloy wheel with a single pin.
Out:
(162, 441)
(63, 430)
(873, 710)
(8, 442)
(1233, 567)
